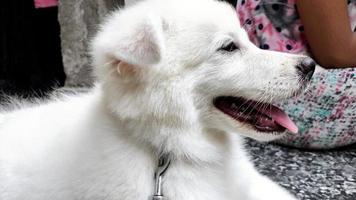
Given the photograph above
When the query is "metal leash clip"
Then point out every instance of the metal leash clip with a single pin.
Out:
(163, 164)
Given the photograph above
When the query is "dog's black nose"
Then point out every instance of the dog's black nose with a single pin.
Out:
(307, 67)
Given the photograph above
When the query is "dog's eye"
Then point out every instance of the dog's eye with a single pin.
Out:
(230, 47)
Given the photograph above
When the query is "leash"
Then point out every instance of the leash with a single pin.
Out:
(163, 163)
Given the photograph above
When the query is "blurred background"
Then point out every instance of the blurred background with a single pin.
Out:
(44, 44)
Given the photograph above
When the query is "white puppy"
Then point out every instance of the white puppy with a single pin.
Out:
(175, 77)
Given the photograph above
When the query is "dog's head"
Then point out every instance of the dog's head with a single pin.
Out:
(182, 63)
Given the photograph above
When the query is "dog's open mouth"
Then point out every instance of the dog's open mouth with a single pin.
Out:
(262, 116)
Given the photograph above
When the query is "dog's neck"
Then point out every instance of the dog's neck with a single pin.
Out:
(164, 120)
(182, 143)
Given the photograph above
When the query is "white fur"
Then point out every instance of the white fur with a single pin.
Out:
(159, 70)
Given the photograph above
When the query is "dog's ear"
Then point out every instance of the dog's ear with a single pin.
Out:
(141, 42)
(131, 39)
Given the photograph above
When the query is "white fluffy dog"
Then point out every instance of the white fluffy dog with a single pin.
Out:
(175, 77)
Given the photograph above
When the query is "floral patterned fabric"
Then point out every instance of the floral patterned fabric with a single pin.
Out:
(326, 113)
(45, 3)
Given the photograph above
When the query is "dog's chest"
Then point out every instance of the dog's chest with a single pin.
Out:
(184, 182)
(179, 183)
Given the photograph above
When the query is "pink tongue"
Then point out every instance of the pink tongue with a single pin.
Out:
(281, 118)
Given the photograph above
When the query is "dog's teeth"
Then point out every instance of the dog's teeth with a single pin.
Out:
(267, 119)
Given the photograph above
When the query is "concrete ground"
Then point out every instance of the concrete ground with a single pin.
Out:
(310, 175)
